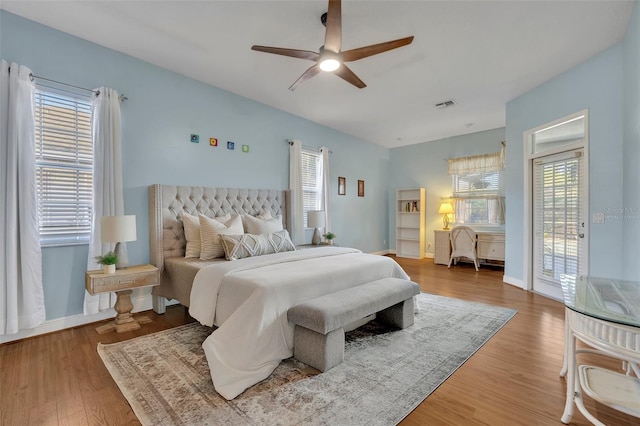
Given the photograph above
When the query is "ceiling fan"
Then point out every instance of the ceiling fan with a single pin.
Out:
(330, 58)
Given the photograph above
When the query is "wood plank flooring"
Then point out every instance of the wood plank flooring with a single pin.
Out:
(59, 379)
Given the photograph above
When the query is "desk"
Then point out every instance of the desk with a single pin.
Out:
(604, 314)
(490, 246)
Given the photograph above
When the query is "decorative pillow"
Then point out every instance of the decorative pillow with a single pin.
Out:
(247, 245)
(192, 233)
(262, 224)
(210, 231)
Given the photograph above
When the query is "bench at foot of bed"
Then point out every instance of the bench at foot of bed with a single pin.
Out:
(320, 322)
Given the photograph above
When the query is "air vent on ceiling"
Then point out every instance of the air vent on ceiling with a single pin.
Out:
(446, 104)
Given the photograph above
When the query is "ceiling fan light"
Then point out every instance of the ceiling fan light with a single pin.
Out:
(329, 64)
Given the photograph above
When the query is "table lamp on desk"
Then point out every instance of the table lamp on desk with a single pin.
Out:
(445, 209)
(315, 219)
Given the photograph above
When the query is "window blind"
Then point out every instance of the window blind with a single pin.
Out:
(311, 181)
(558, 216)
(64, 167)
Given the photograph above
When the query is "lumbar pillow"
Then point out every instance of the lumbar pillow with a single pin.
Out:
(210, 231)
(262, 224)
(247, 245)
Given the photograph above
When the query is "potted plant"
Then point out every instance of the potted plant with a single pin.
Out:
(329, 236)
(108, 262)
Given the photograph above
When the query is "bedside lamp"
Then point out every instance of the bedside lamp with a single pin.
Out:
(315, 219)
(445, 209)
(119, 230)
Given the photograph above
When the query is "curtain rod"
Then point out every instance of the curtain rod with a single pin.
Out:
(503, 143)
(32, 77)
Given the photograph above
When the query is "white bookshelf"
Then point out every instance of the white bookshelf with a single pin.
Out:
(410, 223)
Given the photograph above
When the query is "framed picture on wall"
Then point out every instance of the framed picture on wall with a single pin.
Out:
(360, 188)
(342, 186)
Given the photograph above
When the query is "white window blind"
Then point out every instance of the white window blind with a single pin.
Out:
(311, 181)
(64, 167)
(558, 216)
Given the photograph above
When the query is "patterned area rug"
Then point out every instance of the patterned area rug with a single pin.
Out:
(385, 375)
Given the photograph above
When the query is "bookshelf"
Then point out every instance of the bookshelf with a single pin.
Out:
(410, 223)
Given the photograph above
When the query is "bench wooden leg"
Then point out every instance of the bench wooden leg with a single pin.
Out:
(320, 351)
(400, 315)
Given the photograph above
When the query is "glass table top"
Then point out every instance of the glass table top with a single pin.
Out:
(604, 298)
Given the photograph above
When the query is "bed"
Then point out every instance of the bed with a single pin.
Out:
(247, 299)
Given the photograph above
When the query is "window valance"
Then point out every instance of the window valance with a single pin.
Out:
(477, 163)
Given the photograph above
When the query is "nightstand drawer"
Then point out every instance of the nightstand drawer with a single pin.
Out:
(122, 279)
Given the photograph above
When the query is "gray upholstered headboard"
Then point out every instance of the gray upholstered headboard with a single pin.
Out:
(167, 202)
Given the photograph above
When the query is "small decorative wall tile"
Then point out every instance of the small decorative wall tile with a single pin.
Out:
(245, 148)
(231, 145)
(213, 141)
(195, 138)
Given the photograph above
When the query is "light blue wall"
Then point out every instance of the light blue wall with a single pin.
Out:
(163, 109)
(424, 166)
(631, 48)
(595, 85)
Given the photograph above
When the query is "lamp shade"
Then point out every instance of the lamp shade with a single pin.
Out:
(315, 218)
(117, 229)
(445, 208)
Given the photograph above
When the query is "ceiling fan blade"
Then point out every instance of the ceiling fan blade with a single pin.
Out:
(315, 69)
(294, 53)
(346, 74)
(374, 49)
(333, 34)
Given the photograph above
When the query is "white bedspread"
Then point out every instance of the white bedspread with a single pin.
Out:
(248, 299)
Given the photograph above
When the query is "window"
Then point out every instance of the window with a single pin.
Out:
(311, 181)
(477, 189)
(64, 167)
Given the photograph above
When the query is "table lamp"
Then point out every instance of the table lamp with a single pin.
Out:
(119, 230)
(315, 219)
(445, 209)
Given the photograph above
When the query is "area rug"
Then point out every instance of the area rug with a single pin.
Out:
(385, 375)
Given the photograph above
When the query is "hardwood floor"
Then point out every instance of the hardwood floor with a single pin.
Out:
(59, 379)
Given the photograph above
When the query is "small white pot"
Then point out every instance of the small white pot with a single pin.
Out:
(330, 242)
(109, 269)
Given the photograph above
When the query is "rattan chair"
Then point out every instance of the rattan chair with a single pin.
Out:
(463, 244)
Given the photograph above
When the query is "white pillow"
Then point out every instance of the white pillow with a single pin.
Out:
(247, 245)
(210, 231)
(258, 225)
(191, 225)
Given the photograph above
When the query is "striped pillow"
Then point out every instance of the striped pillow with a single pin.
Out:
(210, 231)
(191, 225)
(247, 245)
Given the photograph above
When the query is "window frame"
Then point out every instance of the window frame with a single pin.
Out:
(64, 152)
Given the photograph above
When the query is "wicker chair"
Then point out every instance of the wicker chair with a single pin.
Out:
(463, 244)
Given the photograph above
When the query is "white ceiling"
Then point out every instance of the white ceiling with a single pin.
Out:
(479, 53)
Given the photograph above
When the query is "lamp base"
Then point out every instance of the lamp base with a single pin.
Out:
(121, 252)
(316, 237)
(445, 221)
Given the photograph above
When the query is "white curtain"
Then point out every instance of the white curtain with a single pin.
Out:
(325, 188)
(108, 198)
(21, 292)
(295, 187)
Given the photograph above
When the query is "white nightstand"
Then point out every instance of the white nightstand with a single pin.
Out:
(122, 282)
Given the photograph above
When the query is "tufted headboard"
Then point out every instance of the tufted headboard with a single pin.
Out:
(167, 202)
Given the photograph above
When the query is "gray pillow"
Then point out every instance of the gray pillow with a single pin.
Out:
(248, 245)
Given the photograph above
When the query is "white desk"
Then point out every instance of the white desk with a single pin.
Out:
(490, 246)
(604, 314)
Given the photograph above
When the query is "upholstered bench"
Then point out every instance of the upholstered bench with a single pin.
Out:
(319, 323)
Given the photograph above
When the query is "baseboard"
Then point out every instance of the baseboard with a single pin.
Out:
(513, 281)
(140, 303)
(382, 252)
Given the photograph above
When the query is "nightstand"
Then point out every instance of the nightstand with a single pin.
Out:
(123, 281)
